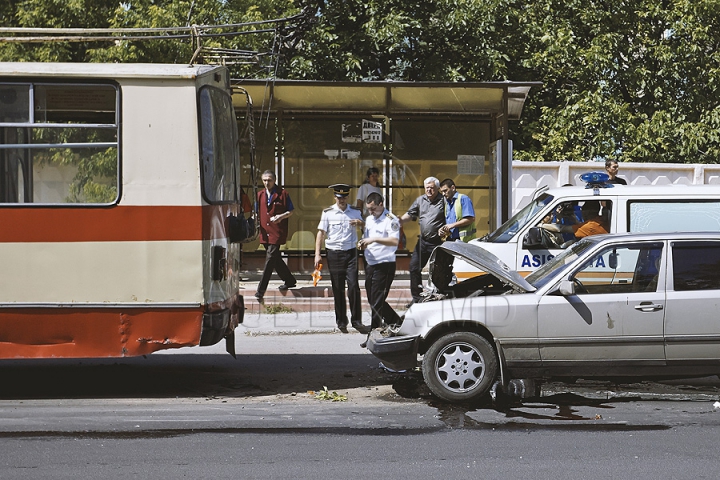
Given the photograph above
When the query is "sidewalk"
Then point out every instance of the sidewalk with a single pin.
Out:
(293, 323)
(311, 299)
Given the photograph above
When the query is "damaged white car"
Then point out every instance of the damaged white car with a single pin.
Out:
(610, 306)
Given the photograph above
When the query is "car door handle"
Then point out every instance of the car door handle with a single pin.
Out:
(648, 307)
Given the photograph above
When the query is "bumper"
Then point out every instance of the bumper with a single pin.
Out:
(219, 324)
(397, 353)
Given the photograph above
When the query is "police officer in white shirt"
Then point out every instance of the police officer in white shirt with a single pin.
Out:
(338, 229)
(381, 236)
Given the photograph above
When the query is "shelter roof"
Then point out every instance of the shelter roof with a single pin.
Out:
(388, 97)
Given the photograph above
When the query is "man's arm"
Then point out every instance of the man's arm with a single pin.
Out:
(557, 228)
(388, 241)
(281, 217)
(405, 217)
(318, 246)
(412, 213)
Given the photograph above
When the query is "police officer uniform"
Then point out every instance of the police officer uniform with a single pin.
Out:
(342, 258)
(380, 267)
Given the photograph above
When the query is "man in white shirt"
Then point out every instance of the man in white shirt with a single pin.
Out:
(381, 236)
(338, 229)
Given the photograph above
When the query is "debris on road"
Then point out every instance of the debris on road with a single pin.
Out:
(324, 394)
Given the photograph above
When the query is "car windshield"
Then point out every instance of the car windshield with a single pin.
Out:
(554, 267)
(508, 229)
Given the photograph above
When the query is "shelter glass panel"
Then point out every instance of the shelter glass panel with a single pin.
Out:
(266, 135)
(319, 152)
(443, 148)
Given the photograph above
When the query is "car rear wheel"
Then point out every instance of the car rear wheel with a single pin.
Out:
(460, 366)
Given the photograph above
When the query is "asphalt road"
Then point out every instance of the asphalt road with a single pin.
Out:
(274, 383)
(199, 413)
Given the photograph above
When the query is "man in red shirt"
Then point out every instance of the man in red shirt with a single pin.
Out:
(275, 207)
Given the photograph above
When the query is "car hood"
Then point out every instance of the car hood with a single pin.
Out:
(440, 264)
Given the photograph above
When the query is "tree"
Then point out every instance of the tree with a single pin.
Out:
(632, 80)
(175, 46)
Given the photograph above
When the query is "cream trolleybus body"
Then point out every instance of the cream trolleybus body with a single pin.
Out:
(117, 186)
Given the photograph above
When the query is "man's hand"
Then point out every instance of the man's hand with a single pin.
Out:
(363, 243)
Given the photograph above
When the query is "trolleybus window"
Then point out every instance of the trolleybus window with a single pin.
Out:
(219, 161)
(58, 143)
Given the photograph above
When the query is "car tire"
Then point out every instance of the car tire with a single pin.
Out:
(460, 367)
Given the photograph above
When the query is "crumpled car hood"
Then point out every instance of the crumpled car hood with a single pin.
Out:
(440, 264)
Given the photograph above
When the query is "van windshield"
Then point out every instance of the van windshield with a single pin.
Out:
(510, 228)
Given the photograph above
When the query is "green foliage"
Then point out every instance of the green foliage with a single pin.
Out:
(324, 394)
(632, 80)
(88, 185)
(279, 308)
(399, 39)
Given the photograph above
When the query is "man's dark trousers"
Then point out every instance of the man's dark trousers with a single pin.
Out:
(378, 280)
(343, 266)
(274, 261)
(419, 259)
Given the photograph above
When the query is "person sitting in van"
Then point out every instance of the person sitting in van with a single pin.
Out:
(567, 213)
(594, 224)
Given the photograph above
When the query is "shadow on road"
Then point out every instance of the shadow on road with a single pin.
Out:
(162, 376)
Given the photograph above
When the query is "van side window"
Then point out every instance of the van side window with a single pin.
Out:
(696, 266)
(58, 143)
(657, 216)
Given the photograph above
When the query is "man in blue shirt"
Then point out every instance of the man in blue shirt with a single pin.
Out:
(459, 214)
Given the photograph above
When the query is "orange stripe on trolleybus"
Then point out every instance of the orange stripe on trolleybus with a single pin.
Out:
(118, 223)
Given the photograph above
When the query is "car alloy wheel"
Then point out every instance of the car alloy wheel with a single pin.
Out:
(460, 366)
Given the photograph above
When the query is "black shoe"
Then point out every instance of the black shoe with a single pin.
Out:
(361, 328)
(343, 328)
(259, 296)
(285, 287)
(408, 305)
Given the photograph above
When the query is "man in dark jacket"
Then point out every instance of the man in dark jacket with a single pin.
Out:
(275, 208)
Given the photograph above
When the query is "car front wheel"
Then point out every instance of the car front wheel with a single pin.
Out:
(460, 367)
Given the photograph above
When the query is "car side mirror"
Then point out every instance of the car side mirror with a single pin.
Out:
(612, 260)
(567, 288)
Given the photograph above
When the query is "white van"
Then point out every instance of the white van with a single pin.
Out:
(627, 209)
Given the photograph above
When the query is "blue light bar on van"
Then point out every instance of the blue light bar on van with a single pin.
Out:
(594, 177)
(596, 181)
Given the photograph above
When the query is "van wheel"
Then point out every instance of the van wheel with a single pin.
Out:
(460, 367)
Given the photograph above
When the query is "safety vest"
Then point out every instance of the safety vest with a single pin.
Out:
(467, 232)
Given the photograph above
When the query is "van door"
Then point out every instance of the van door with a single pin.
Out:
(536, 247)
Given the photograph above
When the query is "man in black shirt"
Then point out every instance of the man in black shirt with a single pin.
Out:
(430, 210)
(611, 167)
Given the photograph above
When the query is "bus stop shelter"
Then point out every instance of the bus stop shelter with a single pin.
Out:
(314, 134)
